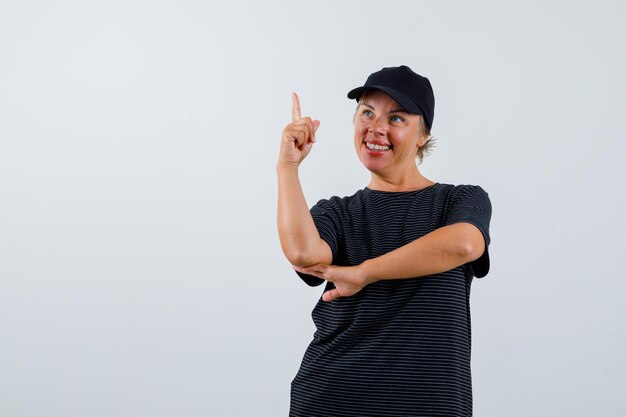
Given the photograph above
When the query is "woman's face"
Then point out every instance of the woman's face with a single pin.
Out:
(386, 137)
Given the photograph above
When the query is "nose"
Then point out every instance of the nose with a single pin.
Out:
(378, 126)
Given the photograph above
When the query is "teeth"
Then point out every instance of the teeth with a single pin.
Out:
(377, 147)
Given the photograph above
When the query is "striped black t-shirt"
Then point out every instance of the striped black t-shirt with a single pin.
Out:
(398, 347)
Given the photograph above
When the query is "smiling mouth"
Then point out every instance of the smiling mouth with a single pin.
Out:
(375, 147)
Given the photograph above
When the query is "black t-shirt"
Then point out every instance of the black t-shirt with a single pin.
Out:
(398, 347)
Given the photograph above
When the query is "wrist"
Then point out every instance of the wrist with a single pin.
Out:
(286, 168)
(366, 272)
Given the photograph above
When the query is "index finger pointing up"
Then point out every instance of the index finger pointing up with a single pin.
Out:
(295, 107)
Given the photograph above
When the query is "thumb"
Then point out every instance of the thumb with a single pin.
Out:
(330, 295)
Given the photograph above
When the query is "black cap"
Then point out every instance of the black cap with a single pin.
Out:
(412, 91)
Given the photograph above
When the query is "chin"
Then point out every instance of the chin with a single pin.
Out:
(373, 166)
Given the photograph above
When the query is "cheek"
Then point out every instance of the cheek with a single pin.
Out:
(408, 138)
(359, 128)
(357, 133)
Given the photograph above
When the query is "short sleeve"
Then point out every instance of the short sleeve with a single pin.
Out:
(327, 221)
(471, 204)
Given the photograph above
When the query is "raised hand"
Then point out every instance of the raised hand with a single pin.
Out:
(298, 136)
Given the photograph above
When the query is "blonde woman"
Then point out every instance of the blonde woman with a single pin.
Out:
(397, 259)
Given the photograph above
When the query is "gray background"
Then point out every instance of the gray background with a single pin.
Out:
(140, 268)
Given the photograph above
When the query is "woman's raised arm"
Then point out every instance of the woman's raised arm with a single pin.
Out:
(299, 238)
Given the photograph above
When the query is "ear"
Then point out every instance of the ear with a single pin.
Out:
(421, 141)
(423, 137)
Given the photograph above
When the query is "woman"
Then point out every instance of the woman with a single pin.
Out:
(398, 257)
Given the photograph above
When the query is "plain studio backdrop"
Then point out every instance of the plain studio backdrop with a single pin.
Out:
(140, 268)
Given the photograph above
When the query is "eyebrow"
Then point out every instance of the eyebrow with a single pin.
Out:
(392, 111)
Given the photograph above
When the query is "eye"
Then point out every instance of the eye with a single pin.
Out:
(367, 112)
(397, 119)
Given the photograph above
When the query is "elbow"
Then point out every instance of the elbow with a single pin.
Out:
(470, 252)
(291, 248)
(300, 260)
(471, 243)
(296, 256)
(301, 253)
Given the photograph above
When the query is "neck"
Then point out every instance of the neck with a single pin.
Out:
(416, 181)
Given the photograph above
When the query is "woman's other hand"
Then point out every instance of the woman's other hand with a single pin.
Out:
(348, 280)
(298, 136)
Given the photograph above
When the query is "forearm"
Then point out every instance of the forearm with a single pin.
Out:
(296, 229)
(436, 252)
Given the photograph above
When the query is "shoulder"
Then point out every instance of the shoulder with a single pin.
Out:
(340, 204)
(455, 192)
